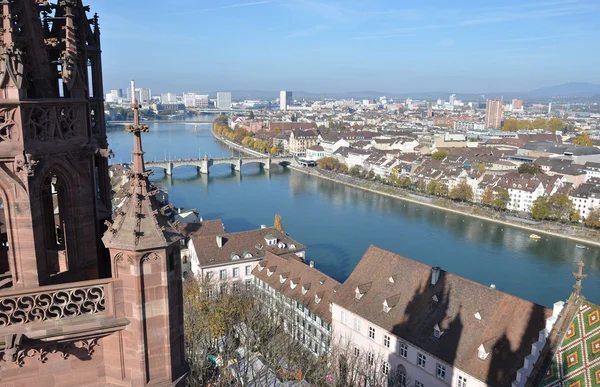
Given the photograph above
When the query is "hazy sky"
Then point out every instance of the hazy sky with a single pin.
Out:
(349, 45)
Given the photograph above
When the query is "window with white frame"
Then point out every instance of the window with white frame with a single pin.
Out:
(345, 318)
(236, 286)
(370, 358)
(356, 351)
(236, 271)
(441, 371)
(248, 269)
(357, 324)
(402, 379)
(248, 284)
(223, 274)
(403, 350)
(462, 381)
(209, 275)
(386, 341)
(372, 333)
(421, 360)
(385, 368)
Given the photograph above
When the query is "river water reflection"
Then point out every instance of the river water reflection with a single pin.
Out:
(338, 223)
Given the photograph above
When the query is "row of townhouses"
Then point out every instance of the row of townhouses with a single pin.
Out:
(420, 323)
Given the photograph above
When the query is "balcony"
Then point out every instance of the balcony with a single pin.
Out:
(76, 309)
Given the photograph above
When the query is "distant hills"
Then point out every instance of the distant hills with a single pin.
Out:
(566, 90)
(572, 89)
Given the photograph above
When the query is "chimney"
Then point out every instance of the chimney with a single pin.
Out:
(219, 241)
(435, 275)
(311, 263)
(179, 210)
(493, 286)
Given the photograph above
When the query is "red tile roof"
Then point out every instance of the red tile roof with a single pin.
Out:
(509, 325)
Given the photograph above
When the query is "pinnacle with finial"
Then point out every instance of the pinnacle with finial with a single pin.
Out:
(578, 277)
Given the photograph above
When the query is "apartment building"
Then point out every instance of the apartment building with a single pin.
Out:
(300, 295)
(228, 259)
(436, 328)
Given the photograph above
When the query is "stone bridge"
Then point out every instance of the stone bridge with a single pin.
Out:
(205, 163)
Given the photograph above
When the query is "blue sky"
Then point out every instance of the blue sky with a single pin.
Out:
(463, 46)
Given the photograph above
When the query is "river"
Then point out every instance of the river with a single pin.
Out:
(338, 223)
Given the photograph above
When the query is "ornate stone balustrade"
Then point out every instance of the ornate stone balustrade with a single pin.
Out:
(24, 306)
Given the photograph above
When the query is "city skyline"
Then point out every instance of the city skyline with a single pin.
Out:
(323, 47)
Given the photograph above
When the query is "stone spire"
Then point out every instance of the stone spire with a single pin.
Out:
(140, 223)
(578, 277)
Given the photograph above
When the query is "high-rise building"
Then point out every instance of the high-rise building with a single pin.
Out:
(493, 114)
(223, 100)
(550, 108)
(168, 98)
(517, 104)
(85, 300)
(452, 99)
(193, 100)
(285, 98)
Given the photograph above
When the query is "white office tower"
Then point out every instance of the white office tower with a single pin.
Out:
(223, 100)
(452, 99)
(285, 98)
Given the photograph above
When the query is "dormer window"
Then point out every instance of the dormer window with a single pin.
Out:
(281, 245)
(271, 270)
(482, 354)
(261, 267)
(304, 291)
(434, 298)
(235, 257)
(271, 240)
(281, 279)
(358, 294)
(478, 316)
(292, 246)
(317, 299)
(392, 279)
(293, 284)
(248, 255)
(437, 332)
(386, 307)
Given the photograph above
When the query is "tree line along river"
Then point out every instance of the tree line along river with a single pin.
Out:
(338, 223)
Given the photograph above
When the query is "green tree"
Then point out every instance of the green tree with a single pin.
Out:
(539, 123)
(439, 155)
(501, 199)
(593, 218)
(278, 223)
(530, 168)
(510, 125)
(431, 187)
(371, 174)
(481, 167)
(462, 191)
(441, 189)
(356, 171)
(251, 115)
(343, 168)
(541, 209)
(328, 163)
(555, 124)
(273, 150)
(583, 140)
(560, 206)
(487, 197)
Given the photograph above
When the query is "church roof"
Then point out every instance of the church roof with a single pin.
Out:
(577, 359)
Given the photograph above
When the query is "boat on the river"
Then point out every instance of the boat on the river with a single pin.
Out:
(580, 246)
(535, 237)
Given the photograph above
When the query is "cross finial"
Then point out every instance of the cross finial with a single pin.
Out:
(578, 277)
(136, 129)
